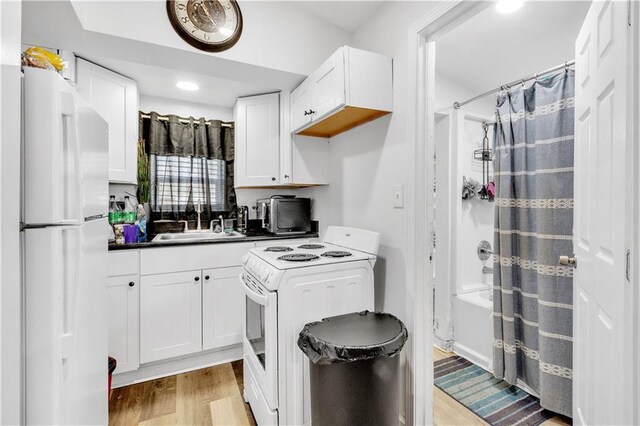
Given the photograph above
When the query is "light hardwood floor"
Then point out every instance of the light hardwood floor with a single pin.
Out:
(213, 396)
(448, 411)
(210, 396)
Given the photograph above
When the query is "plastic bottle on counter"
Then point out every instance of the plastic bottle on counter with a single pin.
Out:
(115, 214)
(142, 224)
(129, 211)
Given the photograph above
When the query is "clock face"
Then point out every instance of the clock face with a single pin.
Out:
(212, 25)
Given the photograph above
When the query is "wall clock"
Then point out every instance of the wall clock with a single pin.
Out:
(211, 25)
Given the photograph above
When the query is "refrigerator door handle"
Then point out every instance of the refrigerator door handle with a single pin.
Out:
(70, 114)
(71, 300)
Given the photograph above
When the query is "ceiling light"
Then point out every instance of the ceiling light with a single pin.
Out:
(187, 85)
(509, 6)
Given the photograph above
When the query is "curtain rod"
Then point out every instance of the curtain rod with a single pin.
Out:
(566, 65)
(182, 120)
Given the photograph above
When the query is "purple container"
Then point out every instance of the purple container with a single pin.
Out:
(130, 234)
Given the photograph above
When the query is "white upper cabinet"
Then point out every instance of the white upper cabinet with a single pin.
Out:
(266, 153)
(115, 98)
(350, 88)
(301, 105)
(328, 86)
(257, 123)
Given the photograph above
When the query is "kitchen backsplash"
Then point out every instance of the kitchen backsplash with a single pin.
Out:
(245, 197)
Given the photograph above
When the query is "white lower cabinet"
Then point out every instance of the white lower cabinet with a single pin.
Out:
(222, 308)
(170, 315)
(123, 298)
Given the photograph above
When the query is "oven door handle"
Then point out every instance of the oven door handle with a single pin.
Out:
(252, 294)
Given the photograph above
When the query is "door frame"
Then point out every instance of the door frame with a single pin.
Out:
(420, 131)
(421, 149)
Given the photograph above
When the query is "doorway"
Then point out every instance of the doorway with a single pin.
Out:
(443, 123)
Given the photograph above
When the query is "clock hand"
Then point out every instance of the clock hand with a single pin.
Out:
(209, 16)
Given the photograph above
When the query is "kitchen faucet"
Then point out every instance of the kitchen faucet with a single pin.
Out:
(199, 210)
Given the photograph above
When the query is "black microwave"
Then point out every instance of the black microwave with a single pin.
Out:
(285, 214)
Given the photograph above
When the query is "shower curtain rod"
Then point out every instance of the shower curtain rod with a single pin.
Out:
(566, 65)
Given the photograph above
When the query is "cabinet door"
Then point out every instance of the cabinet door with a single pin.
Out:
(257, 121)
(123, 305)
(328, 88)
(222, 308)
(301, 106)
(115, 98)
(170, 315)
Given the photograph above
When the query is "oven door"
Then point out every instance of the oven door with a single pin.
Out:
(260, 341)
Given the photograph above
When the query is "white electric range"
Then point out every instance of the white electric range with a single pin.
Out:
(287, 287)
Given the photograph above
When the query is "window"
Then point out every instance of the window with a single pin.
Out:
(177, 181)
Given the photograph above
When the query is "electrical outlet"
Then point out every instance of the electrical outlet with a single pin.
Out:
(398, 196)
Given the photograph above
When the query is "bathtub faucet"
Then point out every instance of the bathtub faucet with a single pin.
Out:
(484, 250)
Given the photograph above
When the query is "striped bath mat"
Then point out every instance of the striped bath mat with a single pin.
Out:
(497, 402)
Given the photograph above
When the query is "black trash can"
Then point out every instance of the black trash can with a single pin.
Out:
(354, 368)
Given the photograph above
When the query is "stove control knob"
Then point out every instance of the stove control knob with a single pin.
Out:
(245, 259)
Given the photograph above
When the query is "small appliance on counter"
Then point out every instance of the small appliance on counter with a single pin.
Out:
(284, 214)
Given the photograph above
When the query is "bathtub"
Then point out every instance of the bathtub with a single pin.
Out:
(473, 328)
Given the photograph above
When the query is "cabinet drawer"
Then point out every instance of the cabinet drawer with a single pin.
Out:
(187, 258)
(123, 262)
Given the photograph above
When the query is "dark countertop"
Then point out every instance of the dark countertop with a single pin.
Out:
(248, 238)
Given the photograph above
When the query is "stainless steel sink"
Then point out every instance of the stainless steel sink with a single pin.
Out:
(198, 236)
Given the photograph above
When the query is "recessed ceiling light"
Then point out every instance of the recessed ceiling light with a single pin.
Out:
(187, 85)
(509, 6)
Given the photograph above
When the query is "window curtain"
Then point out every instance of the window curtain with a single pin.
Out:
(191, 163)
(532, 294)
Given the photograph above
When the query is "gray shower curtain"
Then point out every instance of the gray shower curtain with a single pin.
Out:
(532, 294)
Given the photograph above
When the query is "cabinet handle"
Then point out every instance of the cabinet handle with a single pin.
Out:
(286, 176)
(206, 277)
(197, 278)
(311, 112)
(131, 284)
(273, 179)
(307, 113)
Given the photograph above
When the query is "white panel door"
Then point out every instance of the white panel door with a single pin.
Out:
(115, 97)
(328, 86)
(123, 306)
(301, 105)
(222, 308)
(170, 315)
(602, 368)
(257, 121)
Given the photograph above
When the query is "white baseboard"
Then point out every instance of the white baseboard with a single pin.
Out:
(473, 356)
(174, 366)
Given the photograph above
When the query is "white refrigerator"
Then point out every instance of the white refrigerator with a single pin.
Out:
(64, 253)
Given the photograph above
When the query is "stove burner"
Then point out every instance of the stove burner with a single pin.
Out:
(336, 253)
(311, 246)
(298, 257)
(278, 248)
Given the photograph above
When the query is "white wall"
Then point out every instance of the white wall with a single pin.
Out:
(11, 359)
(276, 35)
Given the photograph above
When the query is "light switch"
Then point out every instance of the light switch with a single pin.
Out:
(398, 196)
